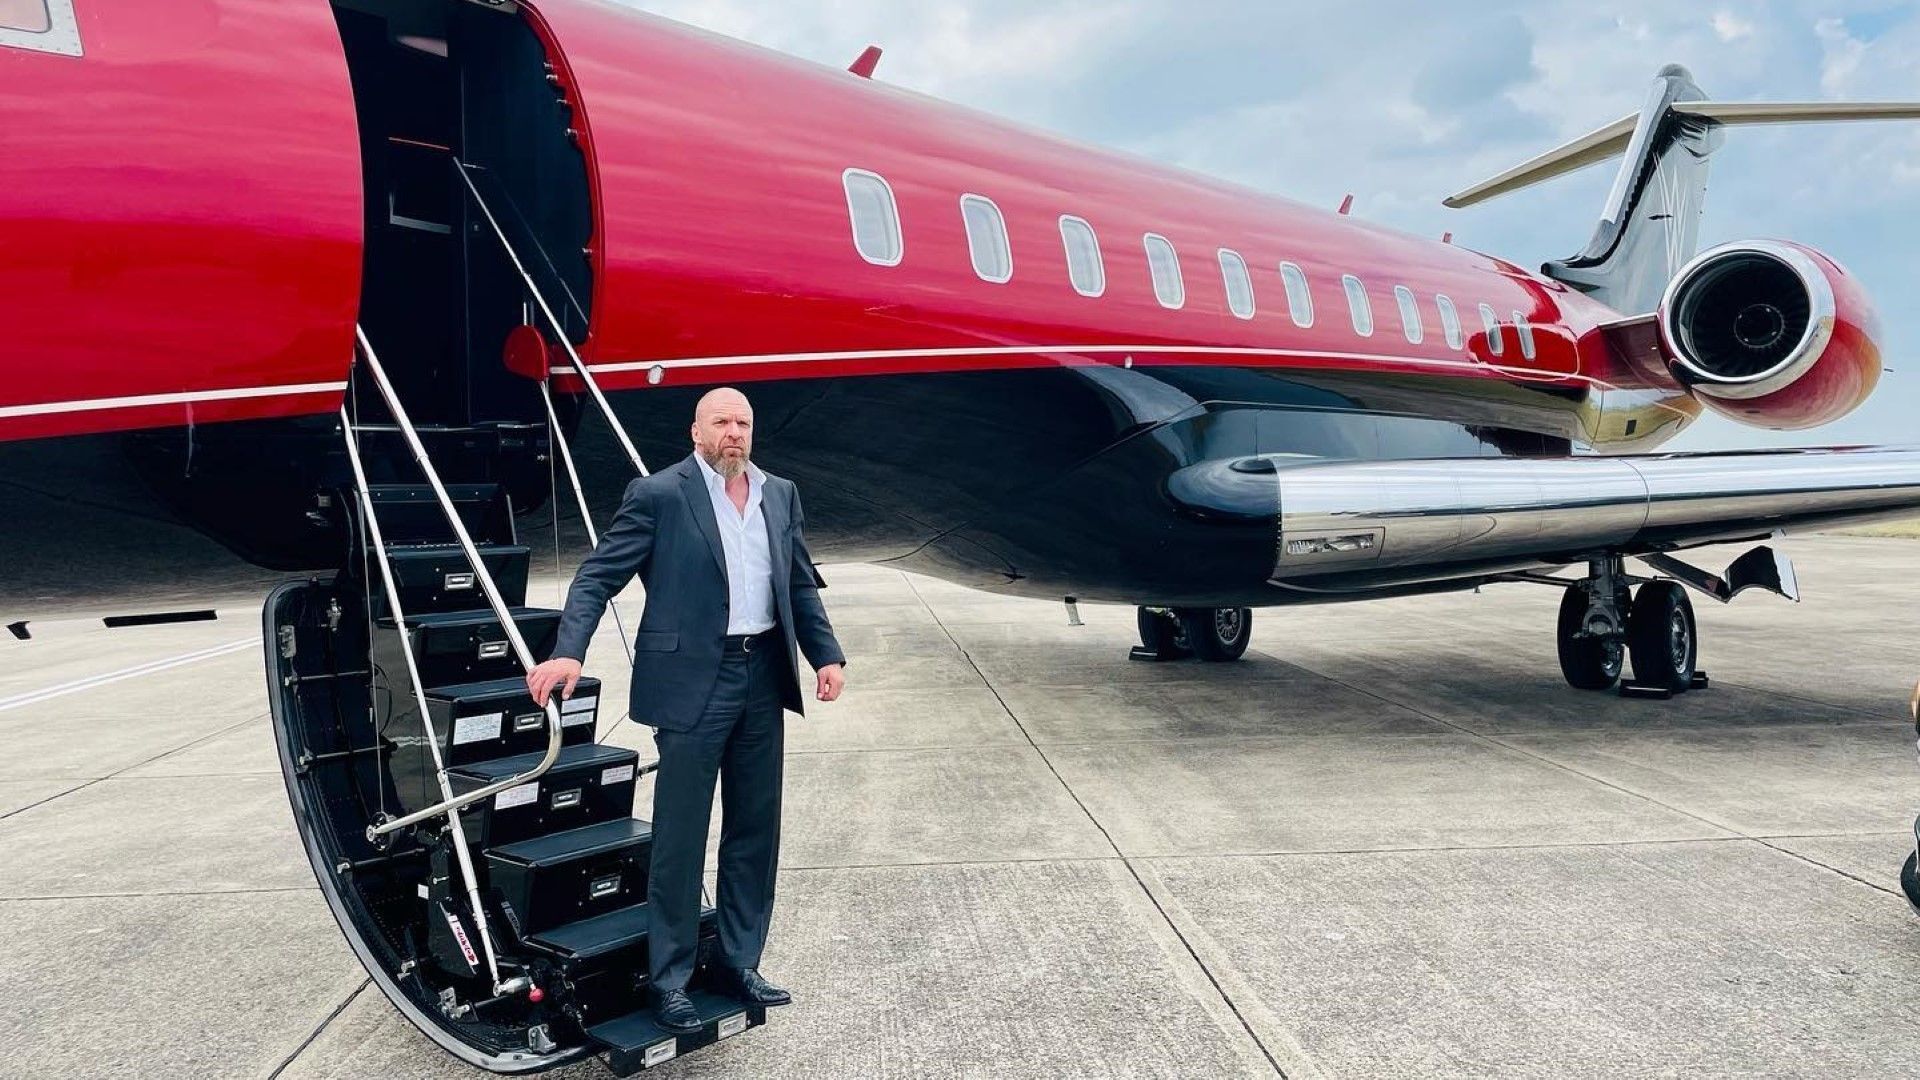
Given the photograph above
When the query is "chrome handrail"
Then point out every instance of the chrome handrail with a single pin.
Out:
(559, 331)
(494, 600)
(379, 541)
(580, 501)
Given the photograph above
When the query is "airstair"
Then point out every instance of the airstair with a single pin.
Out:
(480, 851)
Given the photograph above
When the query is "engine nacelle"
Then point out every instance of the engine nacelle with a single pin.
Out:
(1771, 333)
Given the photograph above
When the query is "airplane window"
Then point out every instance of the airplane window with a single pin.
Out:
(1449, 319)
(1357, 305)
(1088, 273)
(1239, 284)
(40, 26)
(1165, 265)
(1409, 314)
(876, 219)
(987, 239)
(1299, 300)
(28, 15)
(1494, 346)
(1524, 331)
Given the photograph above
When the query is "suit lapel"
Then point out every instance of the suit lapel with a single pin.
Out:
(774, 510)
(693, 488)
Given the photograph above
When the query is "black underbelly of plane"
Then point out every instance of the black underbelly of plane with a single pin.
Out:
(1042, 482)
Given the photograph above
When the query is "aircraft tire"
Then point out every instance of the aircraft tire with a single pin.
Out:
(1588, 663)
(1662, 637)
(1218, 634)
(1163, 633)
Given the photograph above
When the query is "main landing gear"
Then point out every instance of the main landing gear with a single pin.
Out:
(1604, 623)
(1213, 634)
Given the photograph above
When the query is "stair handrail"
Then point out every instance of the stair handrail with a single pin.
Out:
(364, 491)
(580, 501)
(494, 600)
(559, 330)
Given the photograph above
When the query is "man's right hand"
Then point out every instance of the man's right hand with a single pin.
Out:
(544, 677)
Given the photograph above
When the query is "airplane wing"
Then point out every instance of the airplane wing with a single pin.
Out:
(1370, 524)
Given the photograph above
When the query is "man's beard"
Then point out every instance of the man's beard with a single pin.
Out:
(727, 467)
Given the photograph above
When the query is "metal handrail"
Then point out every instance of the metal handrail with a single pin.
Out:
(494, 600)
(559, 330)
(379, 542)
(580, 501)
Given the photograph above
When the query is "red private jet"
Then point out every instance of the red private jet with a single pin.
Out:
(340, 285)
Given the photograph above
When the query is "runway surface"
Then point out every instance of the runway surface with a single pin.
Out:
(1391, 842)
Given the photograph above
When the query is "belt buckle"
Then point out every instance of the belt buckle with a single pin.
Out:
(746, 643)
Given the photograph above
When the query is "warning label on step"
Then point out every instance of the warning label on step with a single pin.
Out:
(468, 729)
(578, 711)
(619, 774)
(517, 796)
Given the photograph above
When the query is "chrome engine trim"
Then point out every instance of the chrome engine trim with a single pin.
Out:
(1806, 352)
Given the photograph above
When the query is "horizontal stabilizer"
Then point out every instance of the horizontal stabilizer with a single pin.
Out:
(1605, 142)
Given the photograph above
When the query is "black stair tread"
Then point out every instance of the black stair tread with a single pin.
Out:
(494, 688)
(636, 1031)
(589, 755)
(470, 617)
(603, 933)
(424, 492)
(575, 843)
(453, 546)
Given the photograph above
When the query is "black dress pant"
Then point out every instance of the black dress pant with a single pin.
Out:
(740, 739)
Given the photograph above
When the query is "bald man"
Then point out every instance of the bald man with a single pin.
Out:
(730, 592)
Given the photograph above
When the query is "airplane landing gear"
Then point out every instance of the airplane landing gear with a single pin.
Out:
(1591, 658)
(1213, 634)
(1592, 630)
(1662, 637)
(1604, 623)
(1163, 635)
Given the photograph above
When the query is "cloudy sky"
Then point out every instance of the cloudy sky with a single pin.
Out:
(1402, 103)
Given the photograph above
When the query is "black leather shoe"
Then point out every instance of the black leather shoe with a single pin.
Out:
(675, 1012)
(747, 985)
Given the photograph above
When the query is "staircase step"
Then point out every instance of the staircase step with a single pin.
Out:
(473, 723)
(438, 578)
(497, 718)
(456, 647)
(604, 935)
(410, 514)
(634, 1042)
(587, 785)
(566, 877)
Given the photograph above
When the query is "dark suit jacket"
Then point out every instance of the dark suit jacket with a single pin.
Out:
(666, 533)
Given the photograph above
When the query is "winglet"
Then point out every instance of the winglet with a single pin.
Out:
(869, 60)
(1346, 204)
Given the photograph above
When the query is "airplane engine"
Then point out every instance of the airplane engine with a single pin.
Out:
(1770, 333)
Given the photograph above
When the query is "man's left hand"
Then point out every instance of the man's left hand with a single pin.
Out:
(833, 679)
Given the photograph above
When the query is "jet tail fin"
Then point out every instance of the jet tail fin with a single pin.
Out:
(1652, 214)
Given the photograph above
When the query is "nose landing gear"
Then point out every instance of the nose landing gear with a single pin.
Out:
(1213, 634)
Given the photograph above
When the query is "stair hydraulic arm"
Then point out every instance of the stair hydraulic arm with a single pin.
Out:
(494, 600)
(559, 331)
(379, 543)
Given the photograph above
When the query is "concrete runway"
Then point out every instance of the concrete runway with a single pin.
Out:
(1391, 842)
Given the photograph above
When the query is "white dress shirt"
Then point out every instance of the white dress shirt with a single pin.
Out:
(749, 557)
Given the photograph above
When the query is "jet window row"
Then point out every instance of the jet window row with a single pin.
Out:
(876, 235)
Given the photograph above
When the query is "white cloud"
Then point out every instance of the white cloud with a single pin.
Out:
(1842, 53)
(1729, 27)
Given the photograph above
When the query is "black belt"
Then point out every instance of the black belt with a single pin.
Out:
(746, 643)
